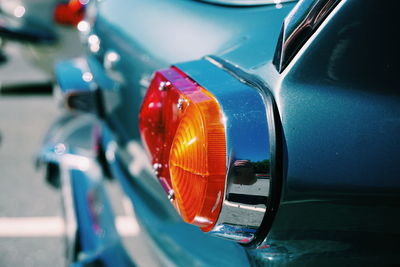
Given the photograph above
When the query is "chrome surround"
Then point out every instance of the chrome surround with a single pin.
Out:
(241, 216)
(70, 219)
(248, 2)
(251, 148)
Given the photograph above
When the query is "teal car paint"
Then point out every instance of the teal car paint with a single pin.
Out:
(326, 73)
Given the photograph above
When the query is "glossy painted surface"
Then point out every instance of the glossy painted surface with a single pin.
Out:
(339, 106)
(122, 56)
(337, 118)
(187, 30)
(74, 75)
(140, 51)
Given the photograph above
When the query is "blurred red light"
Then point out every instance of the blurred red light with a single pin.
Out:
(70, 13)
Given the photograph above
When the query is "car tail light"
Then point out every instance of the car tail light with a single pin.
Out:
(70, 13)
(182, 125)
(210, 150)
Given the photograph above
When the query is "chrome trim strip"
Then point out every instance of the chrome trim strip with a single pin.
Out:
(71, 224)
(298, 27)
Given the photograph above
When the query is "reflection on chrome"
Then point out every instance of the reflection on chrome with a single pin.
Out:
(87, 77)
(19, 11)
(233, 232)
(202, 220)
(84, 2)
(60, 149)
(110, 151)
(83, 26)
(94, 43)
(111, 58)
(251, 160)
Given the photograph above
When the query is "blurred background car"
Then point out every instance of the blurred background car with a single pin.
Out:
(241, 133)
(35, 35)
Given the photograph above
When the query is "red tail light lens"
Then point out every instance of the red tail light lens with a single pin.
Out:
(182, 127)
(70, 13)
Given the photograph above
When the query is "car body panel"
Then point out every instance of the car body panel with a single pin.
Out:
(344, 201)
(219, 30)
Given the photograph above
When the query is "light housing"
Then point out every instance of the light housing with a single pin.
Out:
(211, 143)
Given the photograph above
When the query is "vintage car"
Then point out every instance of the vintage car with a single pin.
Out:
(243, 133)
(33, 36)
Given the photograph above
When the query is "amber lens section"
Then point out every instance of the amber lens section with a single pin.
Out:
(198, 160)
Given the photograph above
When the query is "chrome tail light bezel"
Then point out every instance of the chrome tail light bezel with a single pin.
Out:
(251, 187)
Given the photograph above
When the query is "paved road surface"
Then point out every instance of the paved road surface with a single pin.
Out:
(23, 194)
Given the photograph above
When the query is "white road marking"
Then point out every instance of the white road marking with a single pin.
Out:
(54, 226)
(31, 227)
